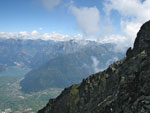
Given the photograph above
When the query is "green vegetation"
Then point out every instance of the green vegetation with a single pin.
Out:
(11, 96)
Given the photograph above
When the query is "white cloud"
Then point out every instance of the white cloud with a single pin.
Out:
(133, 14)
(35, 35)
(126, 39)
(87, 18)
(130, 8)
(23, 33)
(131, 28)
(121, 42)
(95, 64)
(110, 61)
(34, 32)
(50, 4)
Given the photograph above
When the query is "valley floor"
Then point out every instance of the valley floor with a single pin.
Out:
(13, 100)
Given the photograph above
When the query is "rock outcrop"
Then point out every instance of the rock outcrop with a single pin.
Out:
(122, 88)
(142, 41)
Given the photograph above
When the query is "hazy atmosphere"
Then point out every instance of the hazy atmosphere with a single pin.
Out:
(74, 56)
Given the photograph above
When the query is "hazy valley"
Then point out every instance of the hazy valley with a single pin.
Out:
(44, 68)
(12, 99)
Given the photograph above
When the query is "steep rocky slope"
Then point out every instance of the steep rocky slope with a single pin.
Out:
(123, 88)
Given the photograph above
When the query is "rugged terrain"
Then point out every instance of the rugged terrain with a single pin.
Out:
(122, 88)
(68, 69)
(33, 53)
(52, 63)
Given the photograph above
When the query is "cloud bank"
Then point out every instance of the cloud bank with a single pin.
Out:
(34, 35)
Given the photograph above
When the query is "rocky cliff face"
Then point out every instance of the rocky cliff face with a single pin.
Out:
(123, 88)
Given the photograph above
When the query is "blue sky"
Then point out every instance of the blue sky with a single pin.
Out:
(29, 15)
(106, 21)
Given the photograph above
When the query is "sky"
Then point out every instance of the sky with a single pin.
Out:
(107, 21)
(43, 15)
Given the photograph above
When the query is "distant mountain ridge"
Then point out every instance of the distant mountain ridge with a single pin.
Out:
(49, 59)
(124, 87)
(71, 68)
(33, 53)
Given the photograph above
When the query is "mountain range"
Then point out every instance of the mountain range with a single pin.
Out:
(56, 64)
(33, 53)
(124, 87)
(71, 68)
